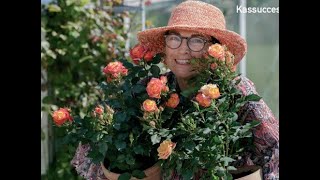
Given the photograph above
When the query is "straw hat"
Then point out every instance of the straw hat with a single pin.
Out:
(197, 16)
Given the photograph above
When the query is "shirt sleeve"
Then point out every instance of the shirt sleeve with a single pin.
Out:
(266, 135)
(84, 165)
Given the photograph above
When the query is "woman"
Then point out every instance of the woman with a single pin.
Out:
(192, 28)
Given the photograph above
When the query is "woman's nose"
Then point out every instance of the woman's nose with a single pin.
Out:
(184, 46)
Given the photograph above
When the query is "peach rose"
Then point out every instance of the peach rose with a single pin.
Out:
(229, 58)
(149, 105)
(164, 79)
(216, 51)
(165, 149)
(114, 69)
(173, 101)
(61, 116)
(210, 90)
(154, 88)
(203, 100)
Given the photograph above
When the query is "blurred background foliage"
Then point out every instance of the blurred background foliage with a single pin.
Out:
(79, 37)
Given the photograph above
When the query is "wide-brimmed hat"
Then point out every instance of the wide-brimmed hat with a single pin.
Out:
(200, 17)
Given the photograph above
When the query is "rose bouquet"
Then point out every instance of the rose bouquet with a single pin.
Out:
(141, 119)
(206, 135)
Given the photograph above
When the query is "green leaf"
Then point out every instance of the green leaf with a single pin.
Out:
(252, 97)
(121, 117)
(254, 123)
(138, 149)
(85, 58)
(138, 88)
(54, 8)
(231, 168)
(125, 176)
(164, 132)
(155, 70)
(206, 130)
(142, 73)
(103, 147)
(187, 174)
(138, 174)
(226, 160)
(120, 145)
(155, 139)
(190, 145)
(156, 59)
(130, 160)
(234, 117)
(121, 158)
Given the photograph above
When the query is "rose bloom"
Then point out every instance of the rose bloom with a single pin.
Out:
(98, 110)
(173, 101)
(203, 100)
(152, 124)
(210, 90)
(216, 51)
(229, 58)
(148, 56)
(113, 67)
(165, 149)
(137, 53)
(164, 79)
(213, 66)
(61, 116)
(149, 105)
(154, 88)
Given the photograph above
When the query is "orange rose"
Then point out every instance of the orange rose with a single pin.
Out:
(137, 53)
(114, 69)
(213, 66)
(148, 56)
(203, 100)
(165, 149)
(149, 105)
(173, 101)
(216, 51)
(154, 88)
(98, 110)
(229, 58)
(61, 116)
(210, 90)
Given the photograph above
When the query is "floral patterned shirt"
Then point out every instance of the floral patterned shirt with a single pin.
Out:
(266, 140)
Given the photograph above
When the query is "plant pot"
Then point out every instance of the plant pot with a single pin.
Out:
(152, 173)
(250, 173)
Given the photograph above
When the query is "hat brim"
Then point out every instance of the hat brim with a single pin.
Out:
(153, 38)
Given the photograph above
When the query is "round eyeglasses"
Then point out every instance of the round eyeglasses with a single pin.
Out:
(195, 43)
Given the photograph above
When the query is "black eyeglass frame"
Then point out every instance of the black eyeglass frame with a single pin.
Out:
(187, 38)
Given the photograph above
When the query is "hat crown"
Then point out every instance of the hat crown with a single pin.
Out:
(197, 14)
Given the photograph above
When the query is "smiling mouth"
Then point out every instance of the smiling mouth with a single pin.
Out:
(182, 61)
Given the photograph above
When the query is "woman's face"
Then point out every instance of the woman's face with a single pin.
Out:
(178, 60)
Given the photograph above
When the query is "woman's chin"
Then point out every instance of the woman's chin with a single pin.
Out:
(186, 76)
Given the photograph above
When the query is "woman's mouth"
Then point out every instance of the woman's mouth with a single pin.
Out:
(182, 61)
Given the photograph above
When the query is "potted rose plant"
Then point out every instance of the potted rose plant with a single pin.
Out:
(139, 121)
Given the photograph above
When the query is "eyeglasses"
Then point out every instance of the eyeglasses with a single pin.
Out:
(195, 43)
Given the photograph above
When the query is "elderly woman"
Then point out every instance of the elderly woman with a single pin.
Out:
(192, 28)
